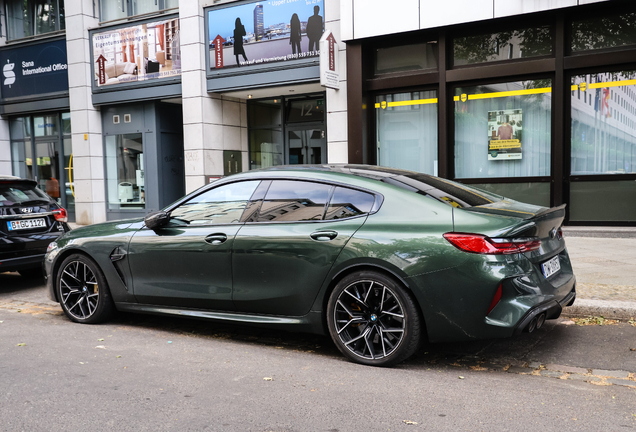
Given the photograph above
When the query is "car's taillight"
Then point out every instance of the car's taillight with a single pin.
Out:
(60, 215)
(481, 244)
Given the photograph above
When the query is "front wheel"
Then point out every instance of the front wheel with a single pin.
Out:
(82, 290)
(373, 320)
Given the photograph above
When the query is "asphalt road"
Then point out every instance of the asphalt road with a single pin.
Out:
(155, 373)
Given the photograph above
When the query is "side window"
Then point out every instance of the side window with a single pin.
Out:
(348, 202)
(221, 205)
(291, 201)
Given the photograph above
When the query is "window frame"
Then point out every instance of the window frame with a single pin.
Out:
(31, 13)
(161, 3)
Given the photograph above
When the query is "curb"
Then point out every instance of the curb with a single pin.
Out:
(620, 310)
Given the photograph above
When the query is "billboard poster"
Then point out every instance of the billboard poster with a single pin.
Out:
(34, 69)
(504, 134)
(141, 52)
(264, 32)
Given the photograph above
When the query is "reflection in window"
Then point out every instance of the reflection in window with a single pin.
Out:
(46, 126)
(407, 131)
(33, 17)
(125, 171)
(402, 58)
(116, 9)
(348, 203)
(503, 130)
(603, 123)
(506, 45)
(221, 205)
(610, 31)
(289, 201)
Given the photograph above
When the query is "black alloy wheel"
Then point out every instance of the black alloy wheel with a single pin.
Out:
(373, 320)
(82, 290)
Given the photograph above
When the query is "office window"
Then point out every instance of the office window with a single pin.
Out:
(116, 9)
(611, 31)
(33, 17)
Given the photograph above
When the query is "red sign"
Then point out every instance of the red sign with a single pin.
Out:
(101, 70)
(218, 51)
(332, 52)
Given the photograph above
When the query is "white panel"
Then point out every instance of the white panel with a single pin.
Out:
(332, 10)
(337, 152)
(346, 19)
(436, 13)
(337, 126)
(517, 7)
(378, 17)
(5, 168)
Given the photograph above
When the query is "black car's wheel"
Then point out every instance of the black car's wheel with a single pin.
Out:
(373, 320)
(82, 290)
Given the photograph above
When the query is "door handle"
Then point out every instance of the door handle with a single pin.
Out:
(216, 239)
(324, 235)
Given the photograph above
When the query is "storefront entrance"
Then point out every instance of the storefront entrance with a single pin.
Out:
(285, 131)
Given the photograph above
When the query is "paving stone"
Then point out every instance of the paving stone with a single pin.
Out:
(534, 365)
(551, 374)
(586, 378)
(609, 373)
(518, 370)
(568, 369)
(621, 382)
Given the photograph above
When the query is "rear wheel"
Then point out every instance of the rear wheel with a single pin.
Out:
(373, 320)
(82, 290)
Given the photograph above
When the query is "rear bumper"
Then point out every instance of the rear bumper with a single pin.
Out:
(21, 263)
(552, 310)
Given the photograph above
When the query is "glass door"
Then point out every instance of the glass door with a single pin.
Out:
(306, 145)
(46, 166)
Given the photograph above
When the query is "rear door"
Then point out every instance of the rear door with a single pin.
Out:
(282, 255)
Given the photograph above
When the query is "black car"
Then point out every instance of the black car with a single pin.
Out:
(29, 221)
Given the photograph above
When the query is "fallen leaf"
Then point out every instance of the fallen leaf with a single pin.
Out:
(100, 346)
(409, 422)
(100, 340)
(118, 356)
(81, 362)
(268, 379)
(631, 349)
(21, 344)
(461, 377)
(1, 322)
(19, 310)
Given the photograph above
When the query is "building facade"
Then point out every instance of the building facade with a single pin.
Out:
(119, 107)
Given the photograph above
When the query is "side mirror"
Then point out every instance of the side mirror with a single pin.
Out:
(156, 220)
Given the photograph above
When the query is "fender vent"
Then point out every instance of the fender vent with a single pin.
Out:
(116, 256)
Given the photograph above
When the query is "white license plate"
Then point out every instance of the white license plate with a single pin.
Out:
(26, 224)
(551, 266)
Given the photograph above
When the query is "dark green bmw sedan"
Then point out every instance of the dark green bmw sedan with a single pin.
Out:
(380, 259)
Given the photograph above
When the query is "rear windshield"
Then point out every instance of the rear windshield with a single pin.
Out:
(447, 191)
(20, 193)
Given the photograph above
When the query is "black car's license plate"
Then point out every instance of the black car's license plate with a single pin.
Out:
(26, 224)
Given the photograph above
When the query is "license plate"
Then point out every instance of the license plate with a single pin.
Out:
(26, 224)
(551, 266)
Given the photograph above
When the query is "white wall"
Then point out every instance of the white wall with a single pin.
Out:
(366, 18)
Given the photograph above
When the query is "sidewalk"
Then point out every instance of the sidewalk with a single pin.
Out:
(604, 262)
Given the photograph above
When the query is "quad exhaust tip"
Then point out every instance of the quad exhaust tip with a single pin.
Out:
(536, 323)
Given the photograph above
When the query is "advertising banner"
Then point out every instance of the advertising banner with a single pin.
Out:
(264, 32)
(504, 134)
(137, 53)
(34, 69)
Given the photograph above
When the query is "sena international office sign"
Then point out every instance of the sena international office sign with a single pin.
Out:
(34, 69)
(264, 32)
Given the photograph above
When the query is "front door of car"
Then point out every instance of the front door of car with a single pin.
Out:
(188, 262)
(281, 258)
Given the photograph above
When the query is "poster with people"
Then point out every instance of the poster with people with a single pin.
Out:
(137, 53)
(264, 32)
(505, 128)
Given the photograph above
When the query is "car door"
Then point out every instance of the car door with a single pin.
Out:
(188, 262)
(283, 253)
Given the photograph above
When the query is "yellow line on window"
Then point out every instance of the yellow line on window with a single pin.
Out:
(409, 103)
(574, 87)
(510, 93)
(611, 84)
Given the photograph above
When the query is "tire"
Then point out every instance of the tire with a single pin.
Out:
(32, 273)
(373, 320)
(82, 291)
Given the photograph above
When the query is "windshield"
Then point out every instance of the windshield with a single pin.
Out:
(19, 193)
